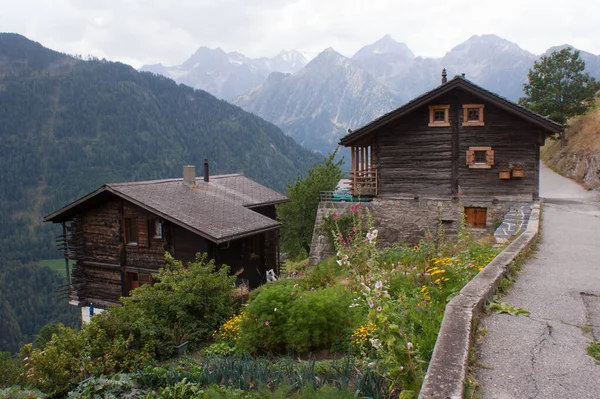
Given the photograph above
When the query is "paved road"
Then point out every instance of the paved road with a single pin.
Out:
(544, 355)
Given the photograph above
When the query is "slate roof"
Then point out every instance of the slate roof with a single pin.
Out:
(219, 210)
(457, 82)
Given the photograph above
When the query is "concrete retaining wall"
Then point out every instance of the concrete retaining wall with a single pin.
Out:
(447, 370)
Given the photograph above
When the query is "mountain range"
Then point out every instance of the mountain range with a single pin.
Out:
(317, 103)
(228, 75)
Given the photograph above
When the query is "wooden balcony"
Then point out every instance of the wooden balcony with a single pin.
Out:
(363, 183)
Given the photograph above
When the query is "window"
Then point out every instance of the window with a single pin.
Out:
(439, 115)
(480, 157)
(476, 217)
(131, 233)
(254, 246)
(473, 115)
(155, 227)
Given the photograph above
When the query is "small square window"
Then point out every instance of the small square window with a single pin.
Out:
(473, 115)
(480, 156)
(131, 233)
(439, 115)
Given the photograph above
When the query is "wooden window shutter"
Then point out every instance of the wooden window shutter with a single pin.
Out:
(470, 157)
(481, 217)
(142, 229)
(489, 157)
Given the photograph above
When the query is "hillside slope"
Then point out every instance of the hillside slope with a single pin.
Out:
(68, 126)
(579, 159)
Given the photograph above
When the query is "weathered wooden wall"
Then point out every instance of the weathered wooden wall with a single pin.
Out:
(514, 142)
(151, 256)
(416, 160)
(413, 158)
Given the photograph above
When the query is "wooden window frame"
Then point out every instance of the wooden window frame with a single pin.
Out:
(445, 122)
(466, 121)
(130, 226)
(489, 153)
(476, 217)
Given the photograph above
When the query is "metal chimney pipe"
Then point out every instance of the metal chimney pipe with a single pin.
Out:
(189, 175)
(206, 177)
(444, 76)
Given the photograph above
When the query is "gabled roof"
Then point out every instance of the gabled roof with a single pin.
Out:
(458, 82)
(219, 210)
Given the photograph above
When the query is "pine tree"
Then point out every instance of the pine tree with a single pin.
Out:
(558, 87)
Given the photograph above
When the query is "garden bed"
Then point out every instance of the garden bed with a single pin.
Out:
(377, 312)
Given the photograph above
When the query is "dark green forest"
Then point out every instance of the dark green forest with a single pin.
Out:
(28, 301)
(68, 125)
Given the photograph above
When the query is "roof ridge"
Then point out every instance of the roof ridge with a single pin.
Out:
(169, 180)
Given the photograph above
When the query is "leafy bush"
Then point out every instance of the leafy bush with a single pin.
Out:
(117, 386)
(335, 227)
(72, 356)
(16, 392)
(286, 316)
(11, 370)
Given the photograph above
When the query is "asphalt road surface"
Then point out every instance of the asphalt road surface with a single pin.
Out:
(544, 355)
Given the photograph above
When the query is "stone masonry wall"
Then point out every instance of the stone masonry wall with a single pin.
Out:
(407, 221)
(319, 247)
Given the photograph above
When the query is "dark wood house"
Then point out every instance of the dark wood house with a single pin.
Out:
(455, 141)
(118, 234)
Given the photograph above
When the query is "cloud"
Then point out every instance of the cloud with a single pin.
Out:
(151, 31)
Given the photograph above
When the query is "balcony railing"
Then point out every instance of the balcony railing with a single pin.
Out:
(364, 182)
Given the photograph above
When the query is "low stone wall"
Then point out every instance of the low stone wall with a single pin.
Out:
(319, 247)
(407, 221)
(447, 369)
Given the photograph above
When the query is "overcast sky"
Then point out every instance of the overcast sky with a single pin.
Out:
(141, 32)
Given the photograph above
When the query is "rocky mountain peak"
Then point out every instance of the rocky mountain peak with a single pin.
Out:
(385, 45)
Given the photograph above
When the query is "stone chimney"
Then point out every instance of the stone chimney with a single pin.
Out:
(206, 175)
(444, 76)
(463, 75)
(189, 175)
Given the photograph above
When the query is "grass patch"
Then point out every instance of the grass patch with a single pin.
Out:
(58, 265)
(594, 351)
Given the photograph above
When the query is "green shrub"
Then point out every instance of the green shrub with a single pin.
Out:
(16, 392)
(11, 370)
(285, 316)
(336, 228)
(117, 386)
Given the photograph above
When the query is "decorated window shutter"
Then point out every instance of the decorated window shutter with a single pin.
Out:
(142, 228)
(470, 157)
(489, 157)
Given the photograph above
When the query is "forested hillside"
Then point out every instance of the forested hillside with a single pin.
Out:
(67, 126)
(28, 301)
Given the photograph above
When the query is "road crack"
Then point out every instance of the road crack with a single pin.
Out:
(535, 351)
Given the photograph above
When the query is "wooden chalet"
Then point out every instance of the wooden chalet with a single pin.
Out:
(457, 140)
(118, 234)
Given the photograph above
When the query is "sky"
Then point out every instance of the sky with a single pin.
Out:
(139, 32)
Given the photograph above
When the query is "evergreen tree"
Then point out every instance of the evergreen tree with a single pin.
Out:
(558, 87)
(298, 215)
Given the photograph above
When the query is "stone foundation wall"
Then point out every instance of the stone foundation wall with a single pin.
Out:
(319, 247)
(407, 221)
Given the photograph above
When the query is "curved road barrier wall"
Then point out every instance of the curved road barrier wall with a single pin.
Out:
(447, 369)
